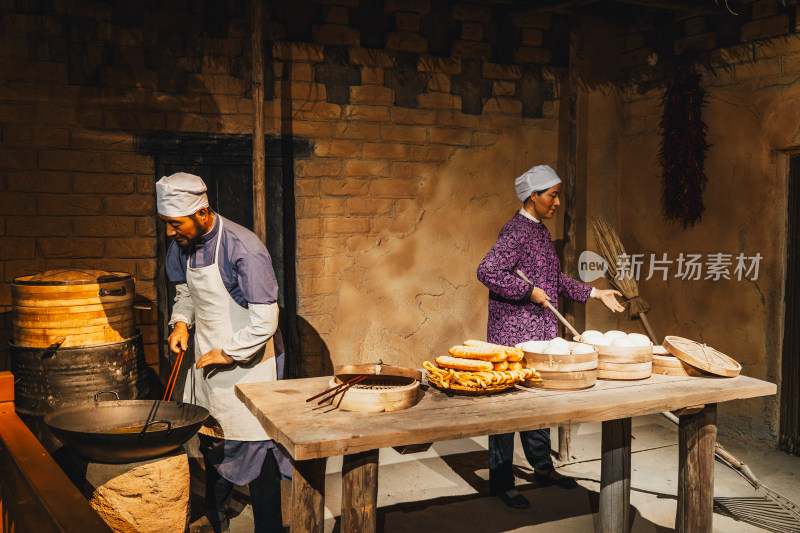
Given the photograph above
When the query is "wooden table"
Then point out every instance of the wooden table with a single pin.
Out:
(311, 433)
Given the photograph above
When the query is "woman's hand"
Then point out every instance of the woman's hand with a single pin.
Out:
(538, 296)
(607, 297)
(214, 357)
(179, 338)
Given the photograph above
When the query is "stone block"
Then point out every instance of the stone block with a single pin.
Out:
(103, 183)
(41, 226)
(17, 247)
(131, 247)
(695, 43)
(313, 207)
(145, 497)
(130, 204)
(764, 28)
(346, 149)
(104, 226)
(439, 83)
(53, 248)
(17, 113)
(430, 152)
(318, 167)
(347, 225)
(451, 136)
(404, 115)
(369, 168)
(309, 227)
(444, 65)
(366, 113)
(471, 49)
(344, 187)
(371, 94)
(404, 134)
(504, 88)
(356, 130)
(460, 120)
(385, 151)
(56, 182)
(503, 105)
(765, 8)
(406, 41)
(369, 57)
(69, 204)
(439, 101)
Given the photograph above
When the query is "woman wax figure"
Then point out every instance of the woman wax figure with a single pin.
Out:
(517, 314)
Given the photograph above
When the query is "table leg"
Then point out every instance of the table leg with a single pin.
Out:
(360, 492)
(615, 476)
(308, 496)
(697, 434)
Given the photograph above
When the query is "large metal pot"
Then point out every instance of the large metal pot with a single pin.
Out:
(115, 432)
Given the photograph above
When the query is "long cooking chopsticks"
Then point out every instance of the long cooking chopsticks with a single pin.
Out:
(173, 377)
(337, 389)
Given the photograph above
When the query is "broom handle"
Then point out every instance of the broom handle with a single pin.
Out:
(648, 328)
(547, 304)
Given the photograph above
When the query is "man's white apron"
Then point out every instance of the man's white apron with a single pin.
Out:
(217, 317)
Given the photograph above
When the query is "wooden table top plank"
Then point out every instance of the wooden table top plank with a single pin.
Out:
(309, 431)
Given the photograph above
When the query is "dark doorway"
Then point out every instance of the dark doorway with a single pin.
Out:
(225, 164)
(790, 361)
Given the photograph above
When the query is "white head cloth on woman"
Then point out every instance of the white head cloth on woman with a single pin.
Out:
(538, 178)
(180, 195)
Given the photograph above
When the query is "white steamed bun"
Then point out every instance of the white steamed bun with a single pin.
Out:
(614, 333)
(533, 346)
(623, 341)
(582, 348)
(639, 339)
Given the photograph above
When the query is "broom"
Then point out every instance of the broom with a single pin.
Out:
(774, 512)
(611, 249)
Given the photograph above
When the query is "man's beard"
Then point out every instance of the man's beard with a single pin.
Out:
(190, 244)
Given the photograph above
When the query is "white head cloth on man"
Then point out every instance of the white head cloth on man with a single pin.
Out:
(538, 178)
(180, 195)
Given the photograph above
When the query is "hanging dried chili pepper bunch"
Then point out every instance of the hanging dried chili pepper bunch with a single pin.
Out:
(683, 147)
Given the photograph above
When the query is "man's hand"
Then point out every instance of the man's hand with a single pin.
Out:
(179, 338)
(607, 297)
(214, 357)
(538, 296)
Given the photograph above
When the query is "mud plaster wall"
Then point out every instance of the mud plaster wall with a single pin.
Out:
(752, 116)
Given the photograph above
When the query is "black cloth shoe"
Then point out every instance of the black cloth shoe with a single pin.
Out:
(549, 478)
(517, 501)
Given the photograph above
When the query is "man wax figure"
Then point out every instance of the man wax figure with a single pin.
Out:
(226, 289)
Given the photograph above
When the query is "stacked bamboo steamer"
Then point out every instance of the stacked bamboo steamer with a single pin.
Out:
(631, 361)
(666, 364)
(575, 370)
(72, 308)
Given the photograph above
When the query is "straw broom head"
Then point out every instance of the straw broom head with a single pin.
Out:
(611, 249)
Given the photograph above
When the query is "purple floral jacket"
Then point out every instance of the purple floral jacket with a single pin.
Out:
(525, 245)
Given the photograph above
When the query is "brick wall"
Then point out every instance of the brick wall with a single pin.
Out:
(385, 101)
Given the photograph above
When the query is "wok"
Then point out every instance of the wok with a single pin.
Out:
(94, 430)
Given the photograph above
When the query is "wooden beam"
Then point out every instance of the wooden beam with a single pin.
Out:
(36, 494)
(615, 476)
(259, 159)
(6, 387)
(697, 435)
(360, 492)
(308, 496)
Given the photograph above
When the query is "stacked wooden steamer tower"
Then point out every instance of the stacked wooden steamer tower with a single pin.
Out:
(74, 335)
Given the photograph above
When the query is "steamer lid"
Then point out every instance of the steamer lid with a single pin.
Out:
(72, 277)
(378, 369)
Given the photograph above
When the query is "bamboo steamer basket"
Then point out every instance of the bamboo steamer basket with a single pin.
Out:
(72, 308)
(386, 388)
(560, 372)
(624, 362)
(666, 364)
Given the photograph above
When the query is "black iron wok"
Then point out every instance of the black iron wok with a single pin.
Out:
(93, 430)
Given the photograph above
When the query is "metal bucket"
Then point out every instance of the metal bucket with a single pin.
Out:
(47, 379)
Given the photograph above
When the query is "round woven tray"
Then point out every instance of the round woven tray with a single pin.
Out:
(474, 391)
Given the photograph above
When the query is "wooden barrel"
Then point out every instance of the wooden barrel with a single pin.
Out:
(624, 362)
(560, 372)
(72, 308)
